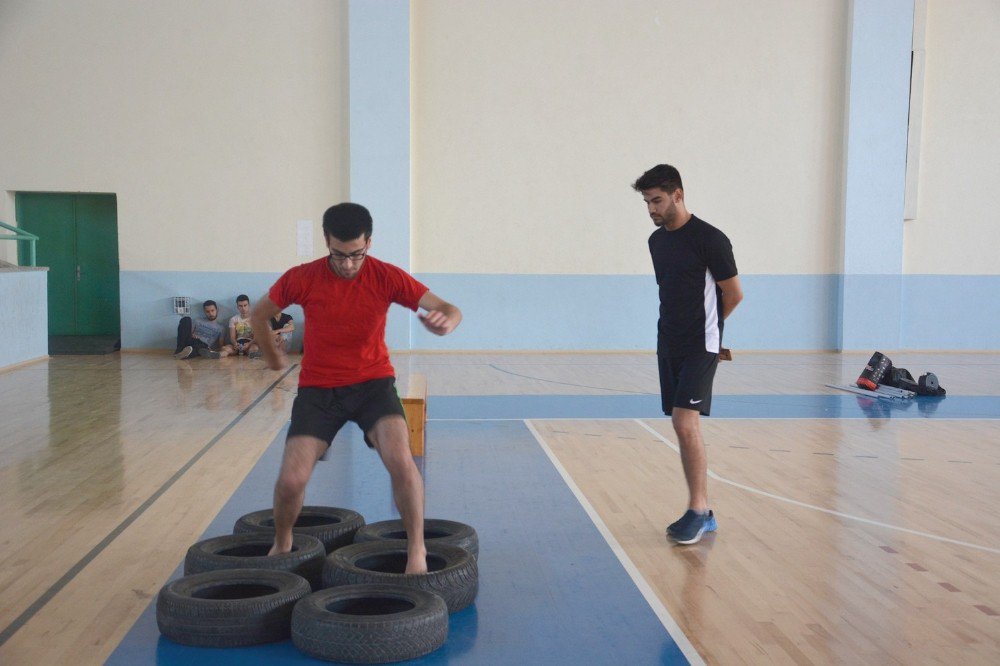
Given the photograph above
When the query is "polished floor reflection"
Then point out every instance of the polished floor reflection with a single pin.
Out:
(110, 466)
(842, 540)
(837, 543)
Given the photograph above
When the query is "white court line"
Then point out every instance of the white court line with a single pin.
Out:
(654, 602)
(819, 508)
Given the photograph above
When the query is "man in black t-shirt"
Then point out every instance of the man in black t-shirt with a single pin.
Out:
(699, 287)
(282, 327)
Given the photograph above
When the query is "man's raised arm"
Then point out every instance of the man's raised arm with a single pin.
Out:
(259, 321)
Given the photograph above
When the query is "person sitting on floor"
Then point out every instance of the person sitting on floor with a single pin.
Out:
(240, 331)
(282, 327)
(201, 337)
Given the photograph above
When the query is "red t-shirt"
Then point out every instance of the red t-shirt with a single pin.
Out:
(344, 340)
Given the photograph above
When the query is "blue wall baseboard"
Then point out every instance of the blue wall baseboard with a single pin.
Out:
(605, 312)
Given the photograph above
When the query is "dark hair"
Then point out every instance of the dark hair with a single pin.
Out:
(207, 303)
(347, 221)
(663, 176)
(241, 298)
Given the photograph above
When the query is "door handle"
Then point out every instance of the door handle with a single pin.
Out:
(77, 273)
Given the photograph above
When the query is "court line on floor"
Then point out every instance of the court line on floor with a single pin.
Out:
(661, 612)
(839, 514)
(57, 587)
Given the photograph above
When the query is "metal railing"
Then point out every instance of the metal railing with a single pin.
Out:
(21, 235)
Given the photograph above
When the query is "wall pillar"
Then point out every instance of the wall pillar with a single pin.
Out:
(878, 79)
(379, 65)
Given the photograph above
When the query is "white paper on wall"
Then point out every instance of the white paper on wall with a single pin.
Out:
(304, 239)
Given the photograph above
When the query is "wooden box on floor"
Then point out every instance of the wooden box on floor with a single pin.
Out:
(415, 407)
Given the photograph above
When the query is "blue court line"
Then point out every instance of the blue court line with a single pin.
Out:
(723, 406)
(551, 590)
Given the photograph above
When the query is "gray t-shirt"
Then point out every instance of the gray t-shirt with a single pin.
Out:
(206, 331)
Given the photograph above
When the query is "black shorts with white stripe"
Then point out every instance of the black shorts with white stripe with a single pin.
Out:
(686, 381)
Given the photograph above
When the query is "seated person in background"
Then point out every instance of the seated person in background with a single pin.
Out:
(240, 331)
(282, 327)
(201, 336)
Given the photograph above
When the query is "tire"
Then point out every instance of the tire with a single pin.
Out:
(452, 571)
(229, 608)
(438, 531)
(334, 527)
(369, 624)
(249, 551)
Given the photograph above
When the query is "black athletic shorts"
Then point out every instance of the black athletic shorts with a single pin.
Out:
(686, 381)
(322, 412)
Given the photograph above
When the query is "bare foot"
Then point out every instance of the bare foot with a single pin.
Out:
(416, 563)
(280, 549)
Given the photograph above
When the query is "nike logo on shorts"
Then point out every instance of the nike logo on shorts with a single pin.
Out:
(694, 402)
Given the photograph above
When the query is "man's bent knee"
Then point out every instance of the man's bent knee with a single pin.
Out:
(291, 485)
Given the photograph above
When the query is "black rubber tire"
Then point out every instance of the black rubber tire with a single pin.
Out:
(452, 572)
(229, 608)
(249, 551)
(334, 527)
(436, 530)
(369, 624)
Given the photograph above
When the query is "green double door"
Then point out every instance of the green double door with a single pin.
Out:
(78, 241)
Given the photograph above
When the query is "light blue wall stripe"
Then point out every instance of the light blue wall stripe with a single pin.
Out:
(619, 312)
(871, 312)
(545, 312)
(23, 294)
(794, 312)
(148, 321)
(951, 312)
(379, 63)
(612, 312)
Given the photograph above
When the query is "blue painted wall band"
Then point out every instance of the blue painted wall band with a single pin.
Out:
(610, 312)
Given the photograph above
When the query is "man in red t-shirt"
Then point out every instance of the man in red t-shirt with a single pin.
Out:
(346, 373)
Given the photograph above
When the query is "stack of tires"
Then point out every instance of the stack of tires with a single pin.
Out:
(341, 594)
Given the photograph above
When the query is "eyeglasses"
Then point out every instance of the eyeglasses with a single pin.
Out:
(345, 258)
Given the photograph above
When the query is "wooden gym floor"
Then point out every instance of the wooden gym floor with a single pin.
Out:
(862, 532)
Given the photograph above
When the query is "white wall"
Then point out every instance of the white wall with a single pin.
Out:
(531, 119)
(956, 230)
(218, 124)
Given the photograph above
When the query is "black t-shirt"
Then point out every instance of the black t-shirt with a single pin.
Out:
(281, 322)
(688, 263)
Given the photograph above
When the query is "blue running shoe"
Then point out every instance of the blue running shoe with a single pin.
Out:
(711, 525)
(689, 515)
(691, 530)
(681, 523)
